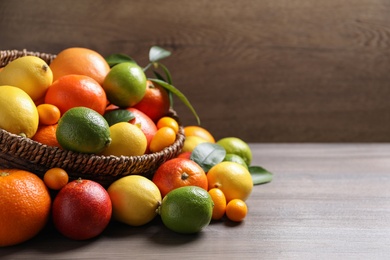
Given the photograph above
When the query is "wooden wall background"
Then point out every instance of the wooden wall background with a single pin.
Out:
(262, 70)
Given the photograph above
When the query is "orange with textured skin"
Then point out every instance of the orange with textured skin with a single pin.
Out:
(76, 91)
(25, 206)
(179, 172)
(46, 134)
(55, 178)
(81, 61)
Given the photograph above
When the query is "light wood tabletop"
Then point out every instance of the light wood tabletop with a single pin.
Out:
(326, 201)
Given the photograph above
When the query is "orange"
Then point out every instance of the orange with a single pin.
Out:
(76, 91)
(219, 200)
(236, 210)
(46, 134)
(201, 132)
(55, 178)
(25, 206)
(48, 114)
(81, 61)
(163, 138)
(179, 172)
(156, 101)
(168, 121)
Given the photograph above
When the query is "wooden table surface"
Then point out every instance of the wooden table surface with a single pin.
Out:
(326, 201)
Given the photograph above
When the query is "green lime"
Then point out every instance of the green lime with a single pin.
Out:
(230, 157)
(83, 130)
(237, 146)
(187, 209)
(125, 84)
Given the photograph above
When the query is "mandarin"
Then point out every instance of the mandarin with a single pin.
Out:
(80, 61)
(46, 134)
(25, 206)
(179, 172)
(76, 91)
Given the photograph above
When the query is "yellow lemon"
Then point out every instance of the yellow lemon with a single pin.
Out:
(126, 139)
(191, 142)
(18, 113)
(233, 179)
(30, 73)
(135, 200)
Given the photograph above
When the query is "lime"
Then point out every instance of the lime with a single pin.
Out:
(230, 157)
(125, 84)
(83, 130)
(135, 200)
(30, 73)
(127, 140)
(18, 113)
(237, 146)
(186, 209)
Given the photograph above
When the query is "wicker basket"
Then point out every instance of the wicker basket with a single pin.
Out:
(24, 153)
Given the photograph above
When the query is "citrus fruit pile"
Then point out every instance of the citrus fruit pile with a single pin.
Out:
(107, 106)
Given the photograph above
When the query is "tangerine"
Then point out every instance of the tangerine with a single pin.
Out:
(46, 134)
(81, 61)
(163, 138)
(219, 200)
(156, 102)
(25, 206)
(168, 121)
(75, 91)
(236, 210)
(55, 178)
(179, 172)
(48, 114)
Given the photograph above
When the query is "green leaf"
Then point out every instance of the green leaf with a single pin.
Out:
(207, 155)
(115, 59)
(167, 73)
(180, 95)
(157, 53)
(260, 175)
(118, 115)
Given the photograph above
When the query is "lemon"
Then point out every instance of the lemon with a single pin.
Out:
(235, 158)
(233, 179)
(18, 113)
(237, 146)
(83, 130)
(135, 200)
(191, 142)
(127, 140)
(30, 73)
(125, 84)
(187, 209)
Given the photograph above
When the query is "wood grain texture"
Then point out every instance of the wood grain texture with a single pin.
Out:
(326, 201)
(266, 71)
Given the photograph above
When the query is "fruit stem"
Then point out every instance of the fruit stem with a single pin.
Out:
(184, 176)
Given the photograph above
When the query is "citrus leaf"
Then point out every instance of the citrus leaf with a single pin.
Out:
(167, 73)
(180, 95)
(207, 155)
(157, 53)
(118, 115)
(260, 175)
(115, 59)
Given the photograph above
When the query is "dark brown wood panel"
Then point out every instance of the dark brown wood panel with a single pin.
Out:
(265, 71)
